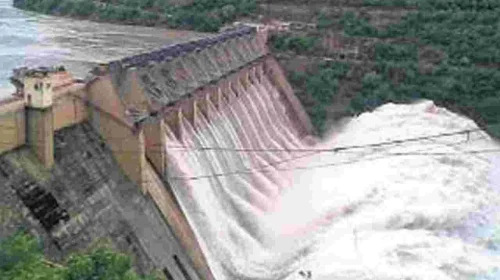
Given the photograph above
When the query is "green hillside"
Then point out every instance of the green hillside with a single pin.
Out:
(446, 51)
(201, 15)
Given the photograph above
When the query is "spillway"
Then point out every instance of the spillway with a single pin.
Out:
(212, 134)
(264, 204)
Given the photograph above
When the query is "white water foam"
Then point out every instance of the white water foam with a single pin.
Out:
(383, 212)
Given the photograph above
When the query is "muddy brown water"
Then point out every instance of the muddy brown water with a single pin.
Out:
(30, 39)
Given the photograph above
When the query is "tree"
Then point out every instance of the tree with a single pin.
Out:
(324, 21)
(84, 8)
(21, 258)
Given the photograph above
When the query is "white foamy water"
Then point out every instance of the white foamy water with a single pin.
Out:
(423, 209)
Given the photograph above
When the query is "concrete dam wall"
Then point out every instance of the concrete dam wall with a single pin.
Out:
(87, 161)
(85, 198)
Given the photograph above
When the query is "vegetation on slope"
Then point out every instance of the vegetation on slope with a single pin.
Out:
(320, 88)
(21, 258)
(468, 78)
(438, 4)
(295, 43)
(201, 15)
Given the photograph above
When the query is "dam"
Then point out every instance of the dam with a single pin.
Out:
(199, 160)
(68, 145)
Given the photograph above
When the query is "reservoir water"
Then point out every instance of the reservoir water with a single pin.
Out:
(30, 39)
(264, 204)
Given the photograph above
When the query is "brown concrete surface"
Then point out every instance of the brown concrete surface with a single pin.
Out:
(172, 212)
(134, 96)
(40, 132)
(155, 141)
(108, 118)
(68, 110)
(130, 149)
(12, 125)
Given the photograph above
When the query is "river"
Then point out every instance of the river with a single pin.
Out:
(30, 39)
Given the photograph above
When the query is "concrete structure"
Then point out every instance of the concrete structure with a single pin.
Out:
(43, 104)
(127, 103)
(41, 84)
(84, 200)
(40, 136)
(12, 124)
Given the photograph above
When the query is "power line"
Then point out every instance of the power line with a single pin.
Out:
(265, 169)
(316, 151)
(337, 149)
(285, 149)
(312, 152)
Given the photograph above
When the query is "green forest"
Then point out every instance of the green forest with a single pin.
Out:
(201, 15)
(467, 79)
(22, 258)
(320, 86)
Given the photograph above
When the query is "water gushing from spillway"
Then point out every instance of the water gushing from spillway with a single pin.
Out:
(266, 205)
